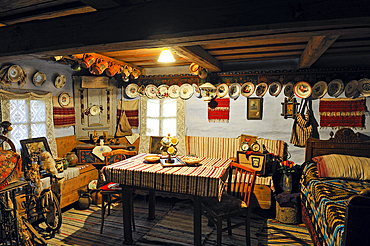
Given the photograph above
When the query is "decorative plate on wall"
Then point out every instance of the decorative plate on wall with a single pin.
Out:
(302, 89)
(222, 90)
(234, 90)
(60, 81)
(261, 89)
(247, 89)
(14, 73)
(351, 88)
(364, 86)
(186, 91)
(151, 91)
(162, 92)
(39, 78)
(335, 88)
(289, 89)
(132, 90)
(64, 99)
(197, 91)
(319, 89)
(174, 91)
(275, 89)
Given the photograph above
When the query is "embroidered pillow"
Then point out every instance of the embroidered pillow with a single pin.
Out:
(343, 166)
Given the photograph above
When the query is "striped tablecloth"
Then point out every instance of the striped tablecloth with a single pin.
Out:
(205, 180)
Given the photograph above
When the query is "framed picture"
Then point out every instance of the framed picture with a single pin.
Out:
(155, 145)
(254, 108)
(32, 149)
(289, 108)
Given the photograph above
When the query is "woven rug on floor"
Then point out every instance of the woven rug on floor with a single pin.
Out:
(276, 233)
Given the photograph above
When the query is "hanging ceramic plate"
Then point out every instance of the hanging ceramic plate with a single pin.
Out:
(64, 99)
(302, 89)
(222, 90)
(132, 90)
(151, 91)
(186, 91)
(174, 91)
(364, 86)
(39, 79)
(275, 89)
(261, 89)
(60, 81)
(247, 89)
(94, 110)
(289, 89)
(162, 92)
(351, 88)
(197, 90)
(335, 88)
(14, 73)
(319, 89)
(234, 90)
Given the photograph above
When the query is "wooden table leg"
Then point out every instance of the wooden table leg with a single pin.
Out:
(151, 215)
(197, 222)
(127, 232)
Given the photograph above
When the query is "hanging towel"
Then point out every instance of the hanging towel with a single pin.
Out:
(218, 110)
(342, 112)
(63, 116)
(131, 108)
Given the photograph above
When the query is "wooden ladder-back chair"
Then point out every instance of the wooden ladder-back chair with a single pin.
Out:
(109, 195)
(234, 202)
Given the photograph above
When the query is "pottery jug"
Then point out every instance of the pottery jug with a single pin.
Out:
(71, 158)
(84, 201)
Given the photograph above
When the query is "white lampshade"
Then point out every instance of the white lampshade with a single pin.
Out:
(166, 56)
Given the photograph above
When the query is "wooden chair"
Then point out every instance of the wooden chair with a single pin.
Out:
(113, 196)
(234, 203)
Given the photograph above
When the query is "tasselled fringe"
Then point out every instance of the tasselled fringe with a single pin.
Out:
(219, 121)
(341, 127)
(219, 109)
(355, 113)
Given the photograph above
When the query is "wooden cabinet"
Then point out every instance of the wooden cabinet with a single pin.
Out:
(103, 104)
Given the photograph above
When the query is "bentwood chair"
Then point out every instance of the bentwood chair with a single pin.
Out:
(235, 203)
(112, 193)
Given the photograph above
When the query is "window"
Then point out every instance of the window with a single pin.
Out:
(28, 118)
(161, 117)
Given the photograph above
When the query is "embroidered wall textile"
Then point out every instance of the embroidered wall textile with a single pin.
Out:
(218, 110)
(63, 116)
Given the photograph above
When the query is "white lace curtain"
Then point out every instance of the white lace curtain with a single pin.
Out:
(38, 108)
(145, 140)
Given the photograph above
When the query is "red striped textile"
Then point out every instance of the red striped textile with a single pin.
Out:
(342, 112)
(64, 117)
(220, 113)
(212, 147)
(205, 180)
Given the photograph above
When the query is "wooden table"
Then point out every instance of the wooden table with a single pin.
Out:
(207, 180)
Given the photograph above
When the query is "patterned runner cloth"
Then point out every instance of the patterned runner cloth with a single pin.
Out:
(219, 113)
(342, 112)
(63, 116)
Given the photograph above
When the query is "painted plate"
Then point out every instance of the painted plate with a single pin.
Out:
(197, 90)
(351, 88)
(247, 89)
(60, 81)
(335, 88)
(162, 92)
(302, 89)
(151, 91)
(39, 78)
(14, 73)
(222, 90)
(95, 110)
(319, 89)
(174, 91)
(261, 89)
(289, 89)
(64, 99)
(364, 86)
(186, 91)
(275, 89)
(132, 90)
(234, 90)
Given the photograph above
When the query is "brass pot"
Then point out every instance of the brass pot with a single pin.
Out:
(71, 158)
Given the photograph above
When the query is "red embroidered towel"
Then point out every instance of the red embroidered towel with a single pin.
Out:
(63, 117)
(342, 112)
(219, 113)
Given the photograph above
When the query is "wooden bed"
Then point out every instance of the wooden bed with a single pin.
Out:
(355, 208)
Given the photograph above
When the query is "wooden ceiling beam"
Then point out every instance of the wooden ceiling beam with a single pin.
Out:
(316, 46)
(199, 56)
(98, 4)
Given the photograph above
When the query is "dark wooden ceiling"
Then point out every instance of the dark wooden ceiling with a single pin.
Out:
(209, 33)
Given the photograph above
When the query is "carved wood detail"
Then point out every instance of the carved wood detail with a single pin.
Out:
(345, 135)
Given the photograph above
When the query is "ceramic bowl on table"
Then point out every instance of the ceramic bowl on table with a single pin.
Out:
(191, 161)
(152, 158)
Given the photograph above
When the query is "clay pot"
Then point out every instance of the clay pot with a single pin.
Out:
(71, 158)
(84, 201)
(112, 70)
(98, 67)
(87, 61)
